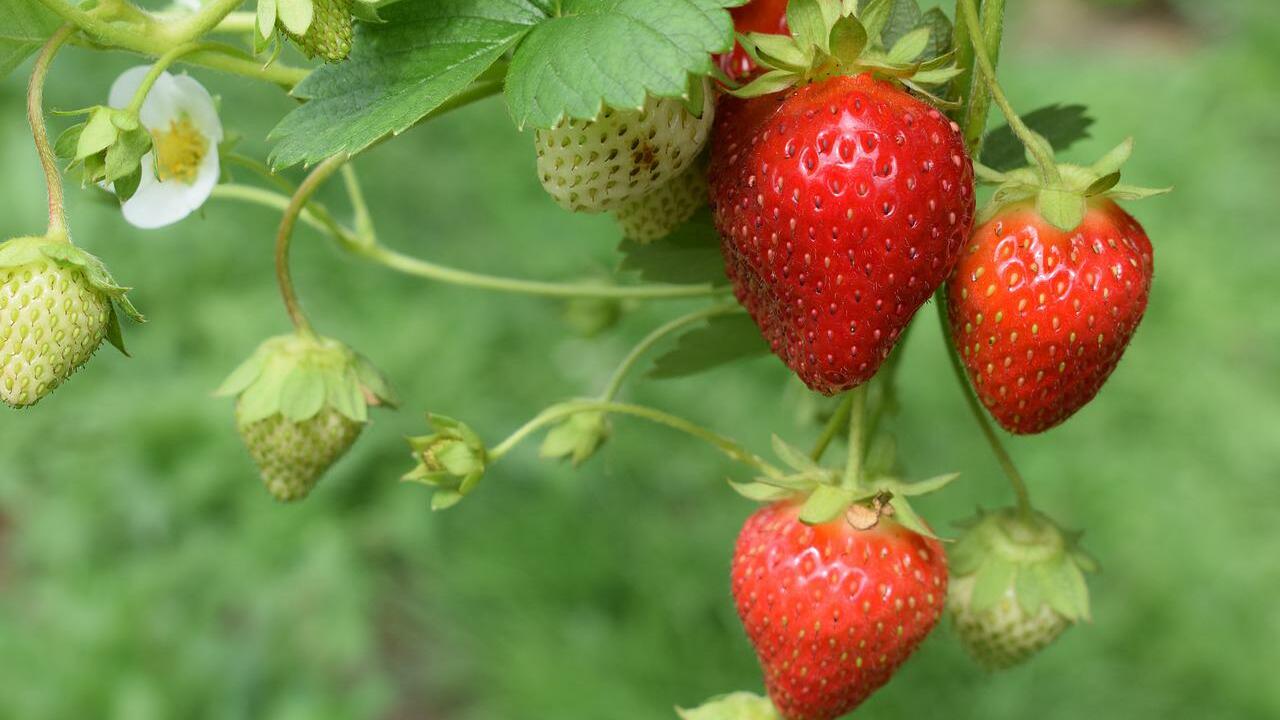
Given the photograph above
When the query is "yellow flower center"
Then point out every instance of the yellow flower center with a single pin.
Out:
(179, 151)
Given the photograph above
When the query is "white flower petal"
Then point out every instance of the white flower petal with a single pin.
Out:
(126, 85)
(157, 204)
(191, 97)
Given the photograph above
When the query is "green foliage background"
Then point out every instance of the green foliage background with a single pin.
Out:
(144, 573)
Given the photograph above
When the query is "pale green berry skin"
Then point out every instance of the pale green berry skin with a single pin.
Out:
(51, 322)
(656, 214)
(598, 165)
(1003, 635)
(330, 35)
(291, 456)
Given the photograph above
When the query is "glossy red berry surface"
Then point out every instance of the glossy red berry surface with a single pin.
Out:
(842, 206)
(1041, 317)
(833, 611)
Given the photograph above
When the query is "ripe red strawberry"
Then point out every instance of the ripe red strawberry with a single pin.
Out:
(833, 611)
(842, 206)
(762, 16)
(1041, 316)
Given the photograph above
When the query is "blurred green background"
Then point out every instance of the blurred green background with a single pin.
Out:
(145, 573)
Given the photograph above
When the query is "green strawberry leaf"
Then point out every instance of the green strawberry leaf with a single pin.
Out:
(720, 341)
(399, 72)
(903, 17)
(941, 33)
(690, 254)
(24, 27)
(1061, 125)
(592, 53)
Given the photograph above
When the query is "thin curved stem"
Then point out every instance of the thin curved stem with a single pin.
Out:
(308, 187)
(653, 338)
(431, 271)
(731, 448)
(979, 414)
(158, 68)
(857, 438)
(832, 428)
(1043, 157)
(202, 21)
(313, 215)
(40, 132)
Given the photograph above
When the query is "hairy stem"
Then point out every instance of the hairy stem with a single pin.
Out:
(979, 414)
(202, 21)
(977, 98)
(730, 447)
(1037, 149)
(653, 338)
(40, 132)
(297, 203)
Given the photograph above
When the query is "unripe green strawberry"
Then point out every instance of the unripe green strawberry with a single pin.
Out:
(302, 402)
(597, 165)
(329, 36)
(655, 214)
(293, 455)
(1017, 584)
(55, 310)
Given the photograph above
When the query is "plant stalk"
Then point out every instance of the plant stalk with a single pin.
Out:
(40, 132)
(653, 338)
(284, 235)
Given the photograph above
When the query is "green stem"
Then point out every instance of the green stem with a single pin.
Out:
(979, 414)
(431, 271)
(40, 132)
(833, 427)
(857, 441)
(297, 203)
(1043, 157)
(158, 68)
(313, 215)
(237, 22)
(201, 21)
(363, 218)
(653, 338)
(977, 98)
(555, 413)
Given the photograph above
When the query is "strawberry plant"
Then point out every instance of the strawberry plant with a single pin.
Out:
(806, 174)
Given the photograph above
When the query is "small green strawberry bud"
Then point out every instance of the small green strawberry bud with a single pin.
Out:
(577, 438)
(452, 460)
(109, 147)
(589, 317)
(57, 304)
(735, 706)
(301, 404)
(1017, 583)
(329, 36)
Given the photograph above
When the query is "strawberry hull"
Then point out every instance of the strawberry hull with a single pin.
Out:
(1041, 317)
(842, 206)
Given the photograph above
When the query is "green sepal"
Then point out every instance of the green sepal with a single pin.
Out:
(734, 706)
(793, 457)
(295, 15)
(299, 376)
(761, 492)
(909, 518)
(826, 503)
(452, 460)
(576, 438)
(1062, 203)
(830, 37)
(109, 147)
(1039, 561)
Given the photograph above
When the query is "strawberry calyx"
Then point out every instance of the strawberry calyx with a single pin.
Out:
(1061, 194)
(451, 460)
(299, 376)
(834, 37)
(826, 494)
(733, 706)
(56, 248)
(1027, 554)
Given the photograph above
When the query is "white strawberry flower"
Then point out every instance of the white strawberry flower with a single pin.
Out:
(179, 173)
